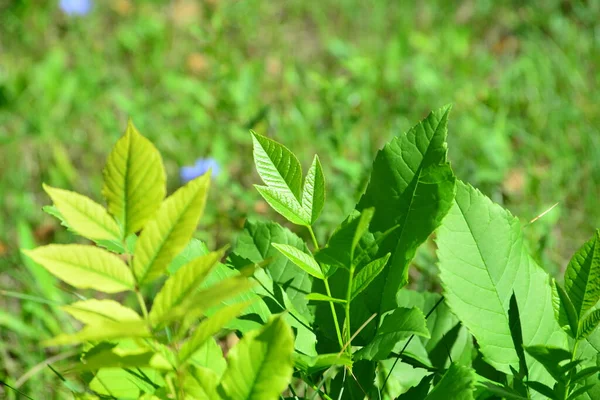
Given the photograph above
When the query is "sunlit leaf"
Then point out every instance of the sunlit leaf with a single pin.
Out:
(134, 180)
(96, 312)
(170, 231)
(313, 194)
(182, 284)
(83, 215)
(106, 331)
(483, 261)
(260, 366)
(322, 297)
(85, 267)
(301, 259)
(208, 328)
(582, 277)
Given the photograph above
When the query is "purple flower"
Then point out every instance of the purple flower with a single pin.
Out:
(76, 7)
(201, 167)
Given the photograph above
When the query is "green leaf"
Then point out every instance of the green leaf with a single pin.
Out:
(516, 333)
(450, 341)
(322, 297)
(310, 365)
(366, 275)
(483, 260)
(412, 186)
(254, 246)
(170, 230)
(106, 331)
(300, 259)
(542, 389)
(585, 373)
(457, 383)
(207, 328)
(85, 267)
(134, 180)
(285, 204)
(109, 358)
(201, 384)
(203, 300)
(341, 246)
(580, 391)
(589, 325)
(582, 277)
(313, 195)
(183, 284)
(564, 311)
(550, 358)
(260, 366)
(97, 312)
(84, 216)
(398, 325)
(277, 166)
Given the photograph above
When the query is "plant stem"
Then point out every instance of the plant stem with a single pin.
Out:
(142, 303)
(334, 315)
(314, 238)
(328, 290)
(347, 306)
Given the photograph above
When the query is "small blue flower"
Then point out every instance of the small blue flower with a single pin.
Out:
(201, 167)
(76, 7)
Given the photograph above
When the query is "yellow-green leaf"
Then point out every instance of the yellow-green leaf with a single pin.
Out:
(134, 180)
(183, 284)
(170, 230)
(85, 267)
(209, 297)
(97, 312)
(260, 366)
(208, 328)
(106, 331)
(86, 217)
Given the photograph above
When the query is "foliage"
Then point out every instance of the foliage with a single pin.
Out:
(330, 321)
(168, 351)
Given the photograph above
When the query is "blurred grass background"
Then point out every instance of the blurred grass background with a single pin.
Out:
(339, 78)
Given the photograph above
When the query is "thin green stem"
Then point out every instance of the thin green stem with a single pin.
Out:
(334, 315)
(314, 238)
(572, 373)
(140, 299)
(347, 306)
(328, 290)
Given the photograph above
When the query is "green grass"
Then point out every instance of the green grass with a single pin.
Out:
(334, 77)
